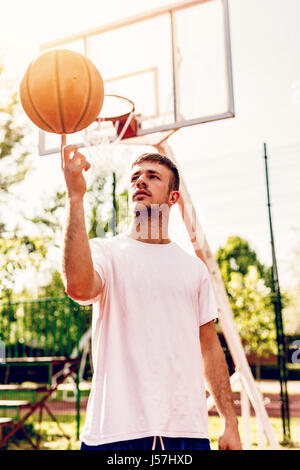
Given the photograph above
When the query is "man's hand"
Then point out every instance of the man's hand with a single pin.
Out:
(229, 438)
(73, 163)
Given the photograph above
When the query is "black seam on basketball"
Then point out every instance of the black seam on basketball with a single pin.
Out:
(31, 102)
(89, 95)
(59, 93)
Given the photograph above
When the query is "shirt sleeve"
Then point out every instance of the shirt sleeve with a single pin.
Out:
(100, 260)
(208, 310)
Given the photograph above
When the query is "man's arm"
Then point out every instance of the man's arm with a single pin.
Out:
(81, 281)
(217, 381)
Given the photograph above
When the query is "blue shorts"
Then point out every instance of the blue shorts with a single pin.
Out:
(145, 443)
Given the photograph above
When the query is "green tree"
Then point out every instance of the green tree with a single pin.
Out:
(253, 312)
(237, 256)
(13, 158)
(291, 311)
(246, 280)
(14, 161)
(17, 256)
(17, 250)
(54, 288)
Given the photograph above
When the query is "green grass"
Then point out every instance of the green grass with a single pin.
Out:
(51, 436)
(215, 427)
(29, 395)
(53, 440)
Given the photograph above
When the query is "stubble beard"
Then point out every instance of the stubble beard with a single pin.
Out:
(151, 221)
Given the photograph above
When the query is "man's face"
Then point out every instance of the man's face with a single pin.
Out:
(149, 184)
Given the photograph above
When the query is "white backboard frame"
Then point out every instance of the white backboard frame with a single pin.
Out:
(84, 37)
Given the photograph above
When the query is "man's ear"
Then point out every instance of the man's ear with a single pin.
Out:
(174, 196)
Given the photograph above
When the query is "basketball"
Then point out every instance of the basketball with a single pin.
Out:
(62, 91)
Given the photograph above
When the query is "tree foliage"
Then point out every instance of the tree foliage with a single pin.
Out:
(13, 158)
(247, 283)
(237, 256)
(291, 311)
(253, 311)
(17, 251)
(17, 256)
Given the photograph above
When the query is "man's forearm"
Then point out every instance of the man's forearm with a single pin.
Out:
(217, 379)
(77, 265)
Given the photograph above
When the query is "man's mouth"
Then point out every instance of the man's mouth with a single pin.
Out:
(140, 193)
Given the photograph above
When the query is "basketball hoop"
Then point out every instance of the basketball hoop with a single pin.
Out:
(125, 124)
(116, 122)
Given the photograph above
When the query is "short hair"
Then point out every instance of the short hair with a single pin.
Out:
(174, 181)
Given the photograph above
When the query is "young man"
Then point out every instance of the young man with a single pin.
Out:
(154, 341)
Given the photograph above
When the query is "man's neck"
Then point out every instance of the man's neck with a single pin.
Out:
(142, 232)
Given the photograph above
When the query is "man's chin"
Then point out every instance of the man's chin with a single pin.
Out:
(140, 206)
(141, 203)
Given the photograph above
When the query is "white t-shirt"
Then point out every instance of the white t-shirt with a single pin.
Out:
(148, 375)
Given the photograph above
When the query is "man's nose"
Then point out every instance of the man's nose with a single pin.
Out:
(141, 182)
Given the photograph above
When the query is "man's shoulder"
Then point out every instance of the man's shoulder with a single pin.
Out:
(101, 240)
(192, 259)
(108, 242)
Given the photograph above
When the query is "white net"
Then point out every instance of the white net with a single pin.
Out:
(103, 136)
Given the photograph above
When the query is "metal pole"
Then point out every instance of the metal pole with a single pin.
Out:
(278, 320)
(115, 215)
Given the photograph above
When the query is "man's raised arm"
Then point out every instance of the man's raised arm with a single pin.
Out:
(80, 279)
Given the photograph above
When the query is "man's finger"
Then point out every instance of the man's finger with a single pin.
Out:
(88, 166)
(85, 165)
(78, 157)
(68, 149)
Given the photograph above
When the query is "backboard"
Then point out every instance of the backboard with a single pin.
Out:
(174, 63)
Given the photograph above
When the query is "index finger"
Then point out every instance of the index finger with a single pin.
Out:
(63, 143)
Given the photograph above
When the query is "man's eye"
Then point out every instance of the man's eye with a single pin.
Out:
(153, 176)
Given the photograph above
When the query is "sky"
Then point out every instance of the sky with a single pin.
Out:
(221, 162)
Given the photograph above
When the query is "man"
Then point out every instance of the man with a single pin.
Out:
(154, 340)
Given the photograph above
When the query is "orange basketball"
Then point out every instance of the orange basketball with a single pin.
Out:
(62, 91)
